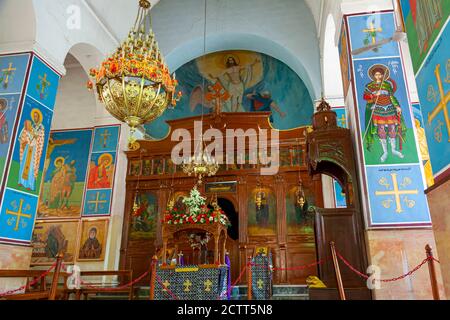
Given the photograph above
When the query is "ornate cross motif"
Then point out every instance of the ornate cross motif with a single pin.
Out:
(343, 121)
(7, 72)
(97, 202)
(187, 285)
(372, 32)
(19, 214)
(105, 135)
(260, 284)
(396, 193)
(218, 94)
(44, 83)
(442, 105)
(208, 285)
(166, 285)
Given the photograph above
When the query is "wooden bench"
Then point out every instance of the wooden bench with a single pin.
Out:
(39, 291)
(90, 287)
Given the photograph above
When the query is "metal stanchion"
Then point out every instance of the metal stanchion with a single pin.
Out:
(337, 271)
(431, 268)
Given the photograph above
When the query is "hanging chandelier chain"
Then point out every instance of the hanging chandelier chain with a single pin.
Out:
(134, 83)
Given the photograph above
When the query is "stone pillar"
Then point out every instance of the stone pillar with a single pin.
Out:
(381, 119)
(429, 56)
(28, 87)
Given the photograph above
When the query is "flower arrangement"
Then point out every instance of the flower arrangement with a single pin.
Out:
(197, 212)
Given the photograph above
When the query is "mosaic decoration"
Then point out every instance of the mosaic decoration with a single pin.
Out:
(13, 69)
(65, 171)
(433, 83)
(53, 237)
(339, 195)
(9, 106)
(93, 238)
(26, 155)
(396, 195)
(386, 125)
(97, 202)
(424, 21)
(101, 171)
(239, 81)
(344, 60)
(17, 215)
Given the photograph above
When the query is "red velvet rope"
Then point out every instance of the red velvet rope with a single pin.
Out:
(174, 297)
(359, 273)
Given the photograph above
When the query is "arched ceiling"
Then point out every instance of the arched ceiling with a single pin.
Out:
(286, 30)
(117, 16)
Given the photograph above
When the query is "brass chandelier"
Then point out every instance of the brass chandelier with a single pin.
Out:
(200, 165)
(134, 83)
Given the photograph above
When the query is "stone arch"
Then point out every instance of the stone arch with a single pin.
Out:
(76, 106)
(57, 38)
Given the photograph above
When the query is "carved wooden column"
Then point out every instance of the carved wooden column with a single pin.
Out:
(126, 224)
(280, 191)
(243, 221)
(163, 196)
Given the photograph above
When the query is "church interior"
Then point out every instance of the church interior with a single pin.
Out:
(224, 150)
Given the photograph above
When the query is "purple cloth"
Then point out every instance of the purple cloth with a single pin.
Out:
(228, 263)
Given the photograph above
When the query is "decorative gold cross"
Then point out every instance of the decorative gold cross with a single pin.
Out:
(371, 30)
(396, 193)
(187, 285)
(166, 285)
(208, 285)
(442, 105)
(97, 202)
(343, 121)
(44, 82)
(8, 72)
(19, 214)
(260, 284)
(105, 135)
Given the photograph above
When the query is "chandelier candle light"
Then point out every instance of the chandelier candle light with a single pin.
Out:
(201, 164)
(134, 83)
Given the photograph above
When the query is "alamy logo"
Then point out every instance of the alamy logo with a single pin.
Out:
(235, 147)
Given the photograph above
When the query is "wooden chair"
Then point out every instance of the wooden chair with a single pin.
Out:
(40, 293)
(90, 287)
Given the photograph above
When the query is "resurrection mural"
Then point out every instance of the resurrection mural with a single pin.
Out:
(239, 81)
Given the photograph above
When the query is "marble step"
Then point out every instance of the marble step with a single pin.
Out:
(279, 292)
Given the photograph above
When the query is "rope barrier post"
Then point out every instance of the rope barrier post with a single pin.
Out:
(55, 279)
(153, 277)
(337, 271)
(432, 270)
(249, 278)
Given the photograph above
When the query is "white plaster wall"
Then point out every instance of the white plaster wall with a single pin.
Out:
(14, 32)
(57, 36)
(75, 106)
